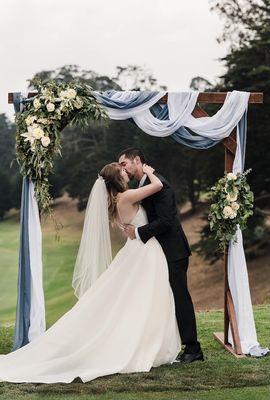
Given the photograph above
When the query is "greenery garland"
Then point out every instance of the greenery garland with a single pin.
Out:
(39, 129)
(232, 206)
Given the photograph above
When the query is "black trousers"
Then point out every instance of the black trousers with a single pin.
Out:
(184, 309)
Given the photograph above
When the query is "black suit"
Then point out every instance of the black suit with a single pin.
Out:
(164, 224)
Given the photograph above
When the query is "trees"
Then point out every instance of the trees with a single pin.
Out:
(9, 174)
(247, 29)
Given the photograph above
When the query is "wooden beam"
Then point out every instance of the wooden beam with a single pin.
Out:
(219, 336)
(219, 98)
(233, 324)
(204, 97)
(229, 142)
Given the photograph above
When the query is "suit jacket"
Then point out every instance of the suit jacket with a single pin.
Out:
(164, 222)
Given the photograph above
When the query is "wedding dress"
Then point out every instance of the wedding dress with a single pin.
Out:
(124, 323)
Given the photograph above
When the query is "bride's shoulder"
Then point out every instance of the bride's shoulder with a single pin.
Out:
(121, 197)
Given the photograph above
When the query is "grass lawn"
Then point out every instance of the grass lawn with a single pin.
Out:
(221, 376)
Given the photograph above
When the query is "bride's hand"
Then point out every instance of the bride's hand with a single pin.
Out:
(147, 169)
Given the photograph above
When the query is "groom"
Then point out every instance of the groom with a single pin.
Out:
(164, 224)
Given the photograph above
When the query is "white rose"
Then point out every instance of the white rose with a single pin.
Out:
(45, 141)
(37, 133)
(78, 103)
(46, 94)
(235, 206)
(232, 215)
(43, 121)
(62, 94)
(50, 107)
(44, 91)
(30, 128)
(68, 94)
(227, 211)
(71, 93)
(28, 137)
(36, 104)
(30, 120)
(231, 176)
(232, 196)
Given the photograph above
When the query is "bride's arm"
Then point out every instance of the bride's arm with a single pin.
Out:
(136, 195)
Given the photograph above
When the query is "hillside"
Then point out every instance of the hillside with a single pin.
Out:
(201, 275)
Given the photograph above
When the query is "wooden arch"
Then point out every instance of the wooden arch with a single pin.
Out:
(230, 150)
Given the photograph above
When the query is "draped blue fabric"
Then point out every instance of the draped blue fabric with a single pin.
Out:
(17, 101)
(106, 99)
(24, 275)
(183, 135)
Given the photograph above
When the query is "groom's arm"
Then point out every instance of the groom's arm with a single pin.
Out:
(164, 204)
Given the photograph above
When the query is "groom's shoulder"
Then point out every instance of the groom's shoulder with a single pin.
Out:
(163, 180)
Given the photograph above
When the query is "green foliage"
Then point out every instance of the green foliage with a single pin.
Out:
(244, 20)
(207, 247)
(10, 182)
(5, 198)
(256, 239)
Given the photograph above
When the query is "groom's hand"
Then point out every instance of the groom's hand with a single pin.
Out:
(130, 231)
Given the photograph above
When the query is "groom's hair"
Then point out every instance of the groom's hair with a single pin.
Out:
(133, 152)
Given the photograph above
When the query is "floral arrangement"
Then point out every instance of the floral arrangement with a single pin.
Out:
(39, 129)
(232, 206)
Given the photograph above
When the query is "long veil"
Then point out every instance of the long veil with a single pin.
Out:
(94, 254)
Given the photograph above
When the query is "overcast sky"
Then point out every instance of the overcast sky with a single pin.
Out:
(176, 39)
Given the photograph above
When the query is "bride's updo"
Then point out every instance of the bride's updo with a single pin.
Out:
(115, 183)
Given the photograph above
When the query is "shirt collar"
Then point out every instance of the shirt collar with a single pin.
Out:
(142, 180)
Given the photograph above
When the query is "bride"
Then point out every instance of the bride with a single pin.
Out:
(124, 320)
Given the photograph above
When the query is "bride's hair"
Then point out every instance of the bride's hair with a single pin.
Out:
(115, 183)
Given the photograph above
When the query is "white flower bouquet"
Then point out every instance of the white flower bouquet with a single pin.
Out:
(232, 206)
(39, 126)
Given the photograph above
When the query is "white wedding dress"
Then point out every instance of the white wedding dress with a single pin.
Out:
(124, 323)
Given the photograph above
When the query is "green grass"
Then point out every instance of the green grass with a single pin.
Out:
(221, 376)
(58, 260)
(258, 393)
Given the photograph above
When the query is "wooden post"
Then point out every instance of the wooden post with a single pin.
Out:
(230, 150)
(229, 311)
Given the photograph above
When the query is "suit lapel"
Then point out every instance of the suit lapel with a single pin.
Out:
(147, 181)
(145, 202)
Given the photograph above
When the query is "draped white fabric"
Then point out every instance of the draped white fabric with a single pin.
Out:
(180, 106)
(217, 127)
(37, 310)
(238, 281)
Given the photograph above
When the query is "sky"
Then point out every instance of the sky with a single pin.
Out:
(175, 39)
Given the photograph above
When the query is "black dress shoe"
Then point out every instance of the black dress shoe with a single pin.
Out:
(189, 357)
